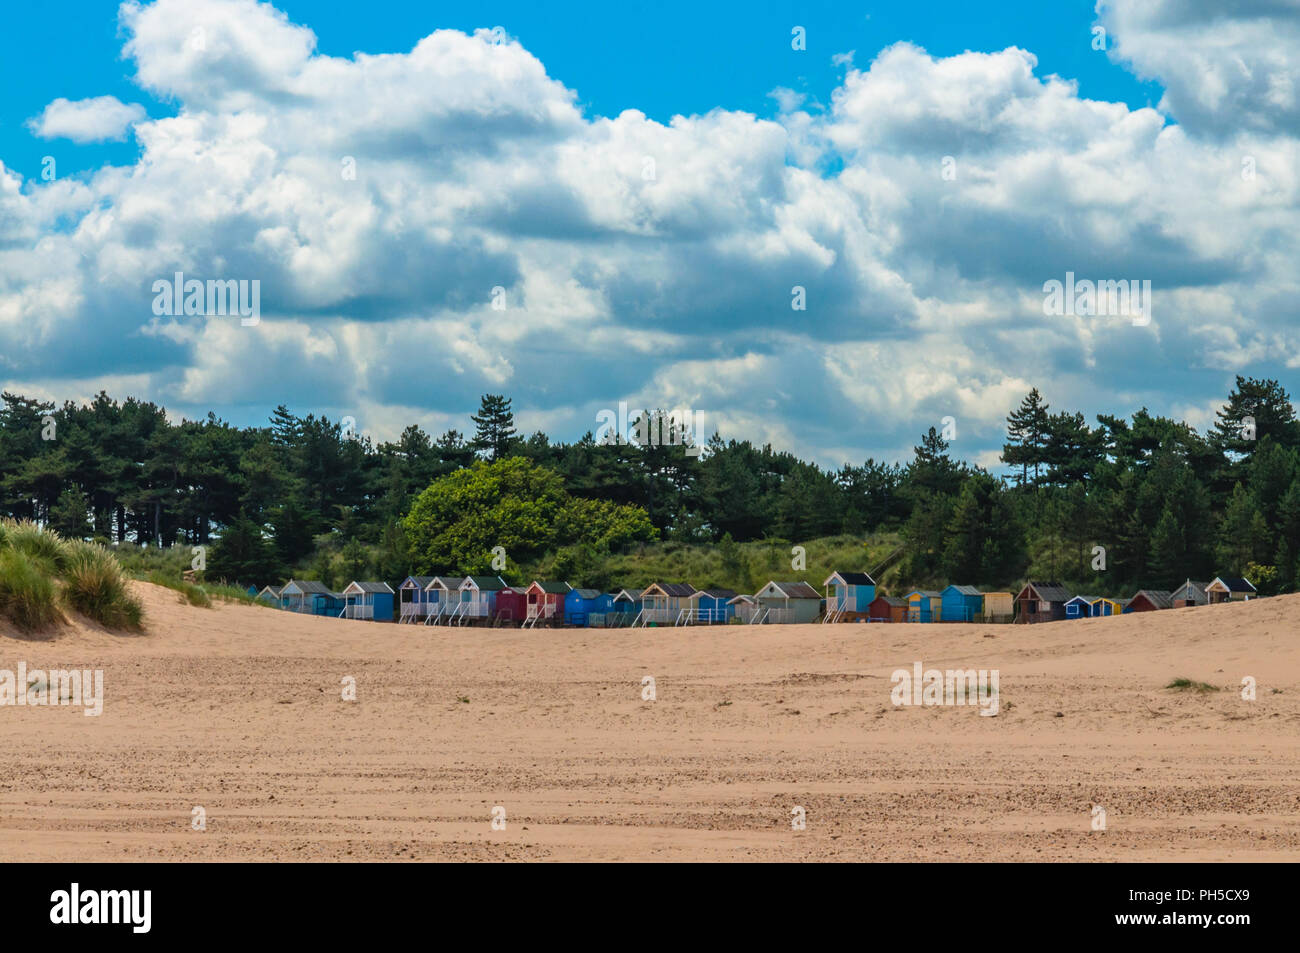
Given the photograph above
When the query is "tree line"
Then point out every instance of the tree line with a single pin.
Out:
(1120, 503)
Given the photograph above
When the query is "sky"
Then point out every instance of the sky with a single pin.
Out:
(584, 204)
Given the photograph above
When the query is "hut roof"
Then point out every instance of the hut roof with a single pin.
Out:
(484, 583)
(1160, 598)
(1050, 591)
(716, 593)
(672, 588)
(1234, 583)
(795, 590)
(420, 582)
(925, 593)
(965, 590)
(551, 588)
(894, 601)
(850, 578)
(308, 587)
(586, 593)
(443, 582)
(355, 587)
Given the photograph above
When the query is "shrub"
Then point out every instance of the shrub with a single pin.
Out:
(95, 586)
(191, 593)
(46, 549)
(27, 594)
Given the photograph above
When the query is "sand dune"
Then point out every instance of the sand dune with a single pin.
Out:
(237, 709)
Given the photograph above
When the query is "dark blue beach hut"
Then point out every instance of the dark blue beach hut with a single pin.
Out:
(1080, 607)
(412, 599)
(625, 606)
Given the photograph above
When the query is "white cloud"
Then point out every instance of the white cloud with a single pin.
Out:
(86, 120)
(654, 261)
(1226, 69)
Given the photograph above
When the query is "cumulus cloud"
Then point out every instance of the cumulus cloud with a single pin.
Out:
(1226, 68)
(434, 223)
(86, 120)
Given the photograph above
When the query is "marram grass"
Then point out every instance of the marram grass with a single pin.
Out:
(40, 572)
(28, 597)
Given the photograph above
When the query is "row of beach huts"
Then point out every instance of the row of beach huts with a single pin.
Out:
(846, 597)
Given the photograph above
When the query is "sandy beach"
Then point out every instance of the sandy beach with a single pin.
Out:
(239, 710)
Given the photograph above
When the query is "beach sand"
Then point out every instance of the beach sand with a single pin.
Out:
(238, 710)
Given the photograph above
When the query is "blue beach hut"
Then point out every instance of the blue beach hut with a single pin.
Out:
(852, 596)
(368, 600)
(580, 605)
(960, 604)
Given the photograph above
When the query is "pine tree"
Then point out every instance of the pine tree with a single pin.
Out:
(1026, 435)
(932, 470)
(1263, 402)
(1242, 533)
(495, 427)
(70, 515)
(1287, 558)
(243, 554)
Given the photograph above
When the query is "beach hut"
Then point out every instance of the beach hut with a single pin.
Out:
(545, 603)
(743, 608)
(478, 598)
(511, 606)
(852, 596)
(310, 598)
(788, 602)
(662, 602)
(711, 605)
(1150, 600)
(1229, 589)
(999, 607)
(1190, 594)
(885, 608)
(624, 608)
(960, 604)
(412, 599)
(441, 598)
(1041, 602)
(368, 600)
(1079, 607)
(924, 605)
(586, 607)
(1103, 606)
(270, 594)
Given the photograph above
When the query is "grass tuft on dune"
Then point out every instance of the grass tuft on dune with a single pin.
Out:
(41, 573)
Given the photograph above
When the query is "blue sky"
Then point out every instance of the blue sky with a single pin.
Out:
(647, 183)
